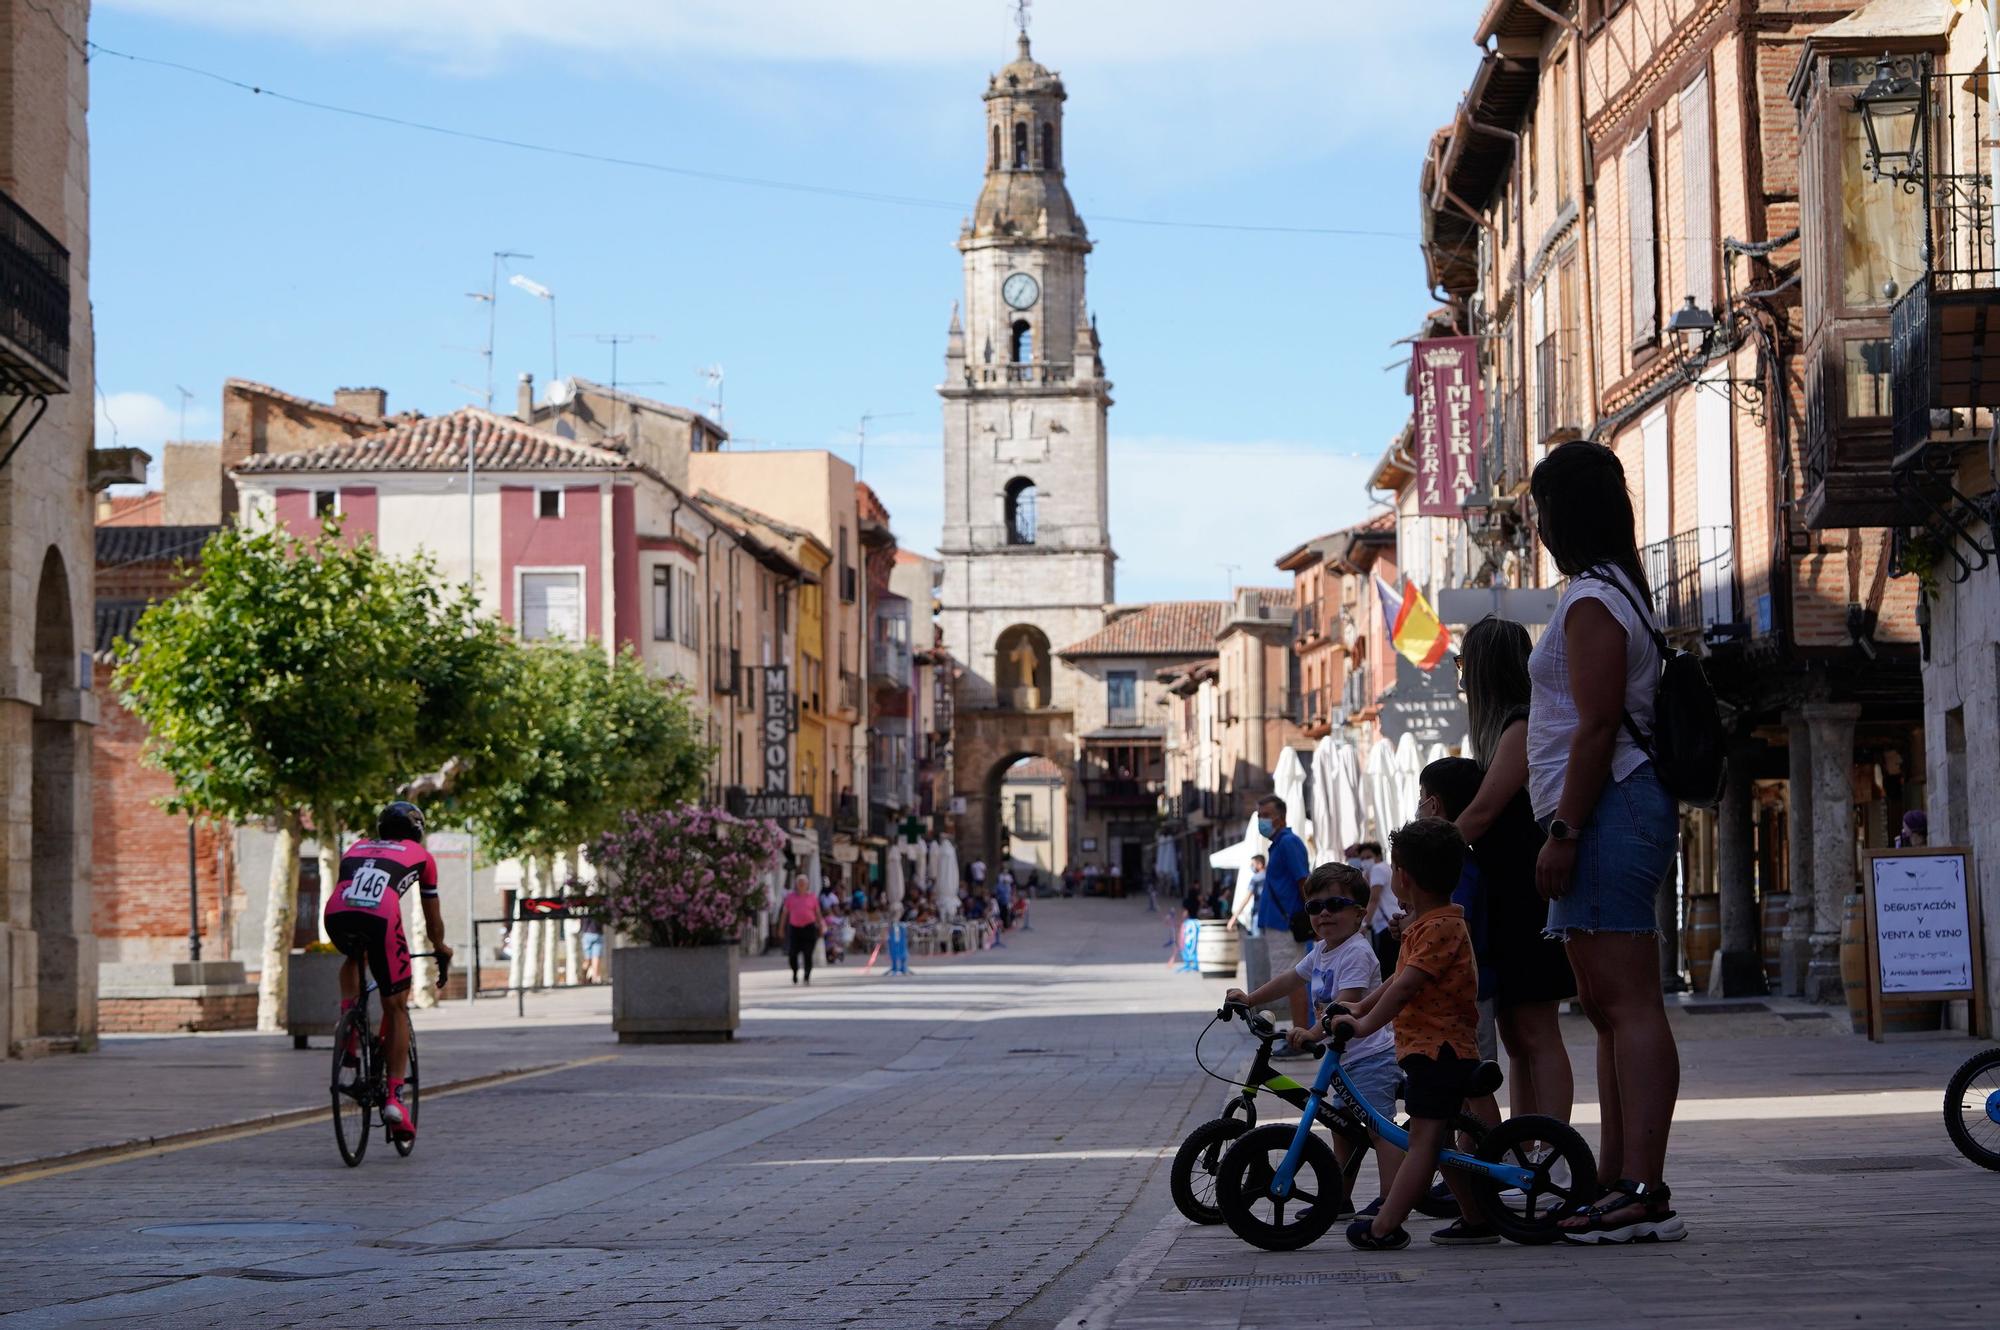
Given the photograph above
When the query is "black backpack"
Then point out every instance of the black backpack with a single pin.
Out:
(1688, 741)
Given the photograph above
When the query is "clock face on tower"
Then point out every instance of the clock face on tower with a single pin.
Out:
(1020, 290)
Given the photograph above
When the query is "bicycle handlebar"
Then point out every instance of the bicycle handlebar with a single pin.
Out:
(444, 963)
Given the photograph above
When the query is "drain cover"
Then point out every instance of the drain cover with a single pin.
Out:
(279, 1230)
(1208, 1283)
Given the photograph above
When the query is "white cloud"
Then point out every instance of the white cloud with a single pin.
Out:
(142, 420)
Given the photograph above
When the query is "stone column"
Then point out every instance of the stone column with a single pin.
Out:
(1834, 874)
(1796, 952)
(1739, 963)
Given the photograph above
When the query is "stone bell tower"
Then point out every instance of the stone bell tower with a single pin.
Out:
(1026, 545)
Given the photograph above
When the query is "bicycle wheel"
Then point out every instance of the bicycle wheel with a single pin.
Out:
(1243, 1189)
(1563, 1178)
(1972, 1108)
(1467, 1134)
(1195, 1167)
(353, 1089)
(406, 1144)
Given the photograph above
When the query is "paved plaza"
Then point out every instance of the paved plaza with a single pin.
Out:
(983, 1143)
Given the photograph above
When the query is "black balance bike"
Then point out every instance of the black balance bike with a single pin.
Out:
(361, 1086)
(1200, 1157)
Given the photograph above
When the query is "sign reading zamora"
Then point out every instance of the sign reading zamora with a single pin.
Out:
(778, 721)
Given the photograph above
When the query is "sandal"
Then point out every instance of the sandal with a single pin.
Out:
(1361, 1235)
(1657, 1221)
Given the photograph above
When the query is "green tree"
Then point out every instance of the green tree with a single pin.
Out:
(286, 678)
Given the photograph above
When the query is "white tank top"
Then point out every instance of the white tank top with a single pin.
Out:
(1552, 715)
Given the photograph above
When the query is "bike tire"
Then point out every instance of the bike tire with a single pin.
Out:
(350, 1089)
(411, 1090)
(1242, 1190)
(1468, 1133)
(1972, 1128)
(1192, 1178)
(1565, 1171)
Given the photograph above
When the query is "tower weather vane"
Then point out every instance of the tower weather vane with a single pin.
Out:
(1021, 8)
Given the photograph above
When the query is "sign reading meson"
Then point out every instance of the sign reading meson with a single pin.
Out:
(1444, 379)
(777, 735)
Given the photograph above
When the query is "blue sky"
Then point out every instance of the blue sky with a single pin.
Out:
(241, 235)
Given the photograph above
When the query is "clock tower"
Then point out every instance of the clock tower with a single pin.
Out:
(1026, 544)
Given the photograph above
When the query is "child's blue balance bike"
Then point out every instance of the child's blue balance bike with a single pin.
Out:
(1280, 1188)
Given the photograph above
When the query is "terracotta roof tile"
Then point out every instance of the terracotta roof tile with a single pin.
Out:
(439, 443)
(293, 399)
(1180, 628)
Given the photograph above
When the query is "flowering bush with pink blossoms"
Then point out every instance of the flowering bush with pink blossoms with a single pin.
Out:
(683, 877)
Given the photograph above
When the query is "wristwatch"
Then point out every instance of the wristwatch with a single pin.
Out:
(1561, 830)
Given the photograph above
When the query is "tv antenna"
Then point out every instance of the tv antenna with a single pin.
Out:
(712, 375)
(614, 340)
(185, 396)
(1229, 571)
(491, 295)
(861, 458)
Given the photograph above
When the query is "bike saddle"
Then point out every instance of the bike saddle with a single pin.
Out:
(1485, 1079)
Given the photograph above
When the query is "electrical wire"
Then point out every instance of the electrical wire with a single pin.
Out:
(694, 173)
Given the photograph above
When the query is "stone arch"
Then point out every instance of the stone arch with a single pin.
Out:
(54, 910)
(985, 744)
(1019, 510)
(1022, 668)
(1020, 145)
(1021, 342)
(995, 165)
(1048, 147)
(1000, 830)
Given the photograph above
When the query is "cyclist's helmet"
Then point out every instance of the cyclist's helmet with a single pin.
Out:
(400, 821)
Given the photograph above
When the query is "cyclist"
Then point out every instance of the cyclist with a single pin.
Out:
(364, 919)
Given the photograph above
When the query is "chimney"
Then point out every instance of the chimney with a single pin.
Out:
(524, 399)
(369, 403)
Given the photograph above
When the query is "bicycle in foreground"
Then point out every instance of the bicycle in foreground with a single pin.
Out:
(1280, 1187)
(360, 1089)
(1195, 1166)
(1972, 1108)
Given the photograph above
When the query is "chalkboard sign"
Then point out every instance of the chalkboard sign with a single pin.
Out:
(1922, 917)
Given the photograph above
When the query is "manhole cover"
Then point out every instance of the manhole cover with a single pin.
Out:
(1209, 1283)
(273, 1229)
(1867, 1164)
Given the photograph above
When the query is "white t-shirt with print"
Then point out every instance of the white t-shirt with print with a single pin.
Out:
(1350, 965)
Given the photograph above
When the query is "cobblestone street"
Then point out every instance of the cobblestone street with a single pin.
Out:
(981, 1144)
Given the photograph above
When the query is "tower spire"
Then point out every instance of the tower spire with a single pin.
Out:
(1021, 22)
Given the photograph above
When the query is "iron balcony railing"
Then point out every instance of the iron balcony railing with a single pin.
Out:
(1305, 623)
(1506, 458)
(1125, 793)
(850, 691)
(889, 663)
(1692, 576)
(1034, 371)
(1555, 386)
(34, 301)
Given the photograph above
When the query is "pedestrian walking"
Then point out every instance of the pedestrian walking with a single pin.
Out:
(1281, 905)
(1003, 895)
(1531, 971)
(1383, 910)
(1612, 827)
(802, 918)
(593, 949)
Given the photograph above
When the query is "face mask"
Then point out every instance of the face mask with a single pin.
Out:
(1264, 827)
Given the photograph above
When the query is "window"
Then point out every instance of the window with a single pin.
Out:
(552, 606)
(1881, 228)
(326, 503)
(1559, 96)
(1048, 147)
(1022, 343)
(548, 503)
(1121, 696)
(1020, 145)
(1020, 511)
(1697, 197)
(663, 603)
(1641, 240)
(995, 164)
(690, 612)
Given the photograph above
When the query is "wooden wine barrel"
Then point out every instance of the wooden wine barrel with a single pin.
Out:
(1217, 950)
(1899, 1015)
(1702, 938)
(1777, 914)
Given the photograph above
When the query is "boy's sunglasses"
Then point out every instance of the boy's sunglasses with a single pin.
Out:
(1328, 904)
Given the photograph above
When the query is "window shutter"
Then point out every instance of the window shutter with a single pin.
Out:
(551, 607)
(1697, 196)
(1641, 240)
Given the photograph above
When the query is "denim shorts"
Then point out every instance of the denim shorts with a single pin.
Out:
(1376, 1077)
(1624, 852)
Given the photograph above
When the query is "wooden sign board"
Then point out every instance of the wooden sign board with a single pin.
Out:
(1921, 915)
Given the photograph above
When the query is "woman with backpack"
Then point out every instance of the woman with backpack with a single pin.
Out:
(1613, 829)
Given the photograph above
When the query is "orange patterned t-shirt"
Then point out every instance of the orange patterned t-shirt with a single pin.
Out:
(1444, 1011)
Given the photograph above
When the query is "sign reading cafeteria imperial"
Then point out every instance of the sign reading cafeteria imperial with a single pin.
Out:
(1445, 381)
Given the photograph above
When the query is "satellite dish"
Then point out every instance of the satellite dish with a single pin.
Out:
(561, 392)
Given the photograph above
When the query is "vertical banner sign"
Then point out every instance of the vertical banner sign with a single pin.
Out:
(777, 729)
(1445, 379)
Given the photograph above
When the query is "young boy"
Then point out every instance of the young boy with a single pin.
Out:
(1431, 999)
(1341, 967)
(1444, 788)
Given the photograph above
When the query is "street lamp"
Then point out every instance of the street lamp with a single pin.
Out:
(1892, 115)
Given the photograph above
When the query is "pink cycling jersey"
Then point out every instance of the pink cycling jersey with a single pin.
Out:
(376, 874)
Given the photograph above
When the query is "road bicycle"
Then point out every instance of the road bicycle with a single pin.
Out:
(1279, 1187)
(1972, 1108)
(361, 1086)
(1192, 1177)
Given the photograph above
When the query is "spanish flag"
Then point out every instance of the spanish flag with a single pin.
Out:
(1413, 629)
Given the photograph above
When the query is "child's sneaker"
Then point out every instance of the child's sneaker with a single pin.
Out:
(1458, 1233)
(1361, 1235)
(1369, 1211)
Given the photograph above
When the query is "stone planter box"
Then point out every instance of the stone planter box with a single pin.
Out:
(667, 995)
(312, 1002)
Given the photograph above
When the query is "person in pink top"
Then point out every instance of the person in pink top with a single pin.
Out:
(802, 919)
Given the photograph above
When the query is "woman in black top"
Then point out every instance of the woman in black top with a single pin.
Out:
(1531, 971)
